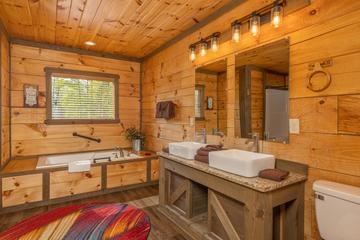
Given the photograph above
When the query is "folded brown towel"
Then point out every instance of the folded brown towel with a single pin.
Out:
(203, 159)
(274, 174)
(204, 151)
(214, 146)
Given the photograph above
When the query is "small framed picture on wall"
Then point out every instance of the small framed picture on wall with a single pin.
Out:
(31, 93)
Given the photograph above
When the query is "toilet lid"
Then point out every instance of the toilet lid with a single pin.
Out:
(343, 191)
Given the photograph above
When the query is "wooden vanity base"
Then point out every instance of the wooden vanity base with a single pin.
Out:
(206, 206)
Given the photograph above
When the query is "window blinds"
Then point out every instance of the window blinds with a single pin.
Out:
(83, 99)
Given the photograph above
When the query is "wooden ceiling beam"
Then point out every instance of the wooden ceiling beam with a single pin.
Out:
(73, 50)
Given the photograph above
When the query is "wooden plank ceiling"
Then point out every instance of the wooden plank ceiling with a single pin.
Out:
(126, 27)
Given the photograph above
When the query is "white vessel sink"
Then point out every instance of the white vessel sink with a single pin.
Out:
(244, 163)
(185, 150)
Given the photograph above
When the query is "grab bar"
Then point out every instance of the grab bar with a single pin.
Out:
(75, 134)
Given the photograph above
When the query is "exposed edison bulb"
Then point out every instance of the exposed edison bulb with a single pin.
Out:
(255, 25)
(215, 43)
(236, 31)
(203, 49)
(192, 53)
(276, 15)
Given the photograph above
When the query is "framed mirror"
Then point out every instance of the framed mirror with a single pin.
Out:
(262, 92)
(210, 98)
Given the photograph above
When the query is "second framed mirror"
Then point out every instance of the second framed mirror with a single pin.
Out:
(210, 98)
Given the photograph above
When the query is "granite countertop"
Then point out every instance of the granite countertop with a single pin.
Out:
(256, 183)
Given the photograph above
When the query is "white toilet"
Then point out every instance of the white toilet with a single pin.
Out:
(337, 210)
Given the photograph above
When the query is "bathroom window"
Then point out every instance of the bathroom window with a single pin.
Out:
(79, 97)
(199, 102)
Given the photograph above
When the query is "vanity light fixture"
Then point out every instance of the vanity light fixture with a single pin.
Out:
(192, 51)
(203, 48)
(255, 24)
(214, 41)
(276, 14)
(236, 31)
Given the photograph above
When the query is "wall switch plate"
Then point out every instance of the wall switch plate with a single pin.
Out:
(294, 126)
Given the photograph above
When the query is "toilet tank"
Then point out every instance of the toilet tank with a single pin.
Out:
(337, 208)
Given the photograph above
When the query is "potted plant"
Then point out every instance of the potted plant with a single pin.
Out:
(136, 137)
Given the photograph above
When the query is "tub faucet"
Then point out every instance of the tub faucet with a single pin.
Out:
(120, 151)
(254, 140)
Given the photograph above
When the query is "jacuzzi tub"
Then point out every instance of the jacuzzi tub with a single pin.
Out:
(63, 160)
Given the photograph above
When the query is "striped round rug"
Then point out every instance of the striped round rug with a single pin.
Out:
(84, 221)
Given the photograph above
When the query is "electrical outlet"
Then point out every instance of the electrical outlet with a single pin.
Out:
(294, 126)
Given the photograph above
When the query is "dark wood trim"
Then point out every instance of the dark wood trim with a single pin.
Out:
(202, 105)
(10, 103)
(49, 71)
(3, 29)
(142, 73)
(73, 50)
(245, 101)
(148, 170)
(52, 70)
(1, 195)
(74, 197)
(103, 176)
(46, 186)
(80, 121)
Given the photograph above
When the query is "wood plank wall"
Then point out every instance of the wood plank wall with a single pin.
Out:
(29, 134)
(325, 28)
(4, 84)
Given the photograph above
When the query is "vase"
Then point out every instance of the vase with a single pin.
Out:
(136, 144)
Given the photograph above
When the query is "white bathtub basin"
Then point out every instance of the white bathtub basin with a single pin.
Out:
(185, 150)
(62, 160)
(243, 163)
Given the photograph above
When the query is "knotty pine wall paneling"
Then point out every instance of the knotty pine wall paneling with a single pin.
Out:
(329, 139)
(4, 93)
(29, 134)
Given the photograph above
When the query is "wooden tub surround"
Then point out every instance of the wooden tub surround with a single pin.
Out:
(207, 203)
(23, 186)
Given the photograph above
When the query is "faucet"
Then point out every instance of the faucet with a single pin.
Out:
(254, 140)
(120, 150)
(201, 133)
(217, 132)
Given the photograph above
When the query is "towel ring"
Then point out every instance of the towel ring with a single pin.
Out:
(318, 69)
